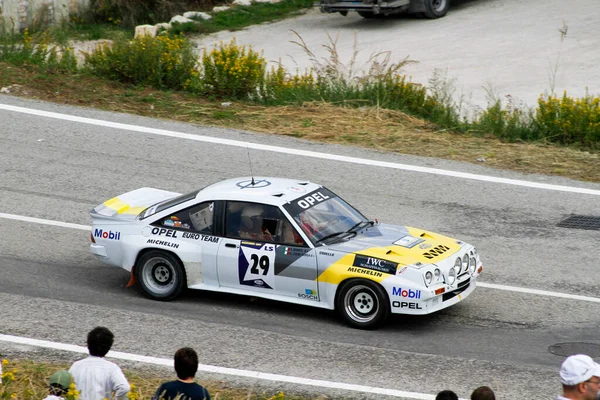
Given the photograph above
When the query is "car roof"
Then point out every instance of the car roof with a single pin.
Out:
(267, 190)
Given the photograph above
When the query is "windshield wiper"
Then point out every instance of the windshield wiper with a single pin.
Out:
(359, 225)
(330, 236)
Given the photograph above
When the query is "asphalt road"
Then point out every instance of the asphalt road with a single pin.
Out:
(509, 46)
(52, 288)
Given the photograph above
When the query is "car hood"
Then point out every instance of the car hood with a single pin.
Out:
(399, 244)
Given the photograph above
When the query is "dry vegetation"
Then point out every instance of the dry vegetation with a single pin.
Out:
(376, 128)
(28, 380)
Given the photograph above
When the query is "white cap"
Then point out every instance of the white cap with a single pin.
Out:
(578, 368)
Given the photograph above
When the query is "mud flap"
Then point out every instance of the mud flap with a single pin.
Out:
(132, 280)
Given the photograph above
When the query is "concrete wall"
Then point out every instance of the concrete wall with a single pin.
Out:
(23, 13)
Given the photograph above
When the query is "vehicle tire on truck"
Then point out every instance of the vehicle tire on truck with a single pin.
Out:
(370, 9)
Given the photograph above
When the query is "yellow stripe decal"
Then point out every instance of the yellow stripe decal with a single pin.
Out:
(117, 205)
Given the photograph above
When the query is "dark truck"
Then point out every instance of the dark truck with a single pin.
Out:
(377, 8)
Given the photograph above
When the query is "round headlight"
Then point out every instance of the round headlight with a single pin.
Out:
(472, 264)
(428, 277)
(465, 263)
(457, 265)
(437, 274)
(451, 276)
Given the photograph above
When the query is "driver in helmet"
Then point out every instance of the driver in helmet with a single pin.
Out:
(251, 226)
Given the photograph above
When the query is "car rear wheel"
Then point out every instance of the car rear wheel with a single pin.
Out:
(160, 275)
(435, 8)
(368, 15)
(363, 304)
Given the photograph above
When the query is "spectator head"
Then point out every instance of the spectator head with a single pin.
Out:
(186, 363)
(580, 377)
(60, 382)
(483, 393)
(99, 341)
(446, 395)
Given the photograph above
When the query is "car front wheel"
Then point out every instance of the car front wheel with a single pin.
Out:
(160, 275)
(363, 304)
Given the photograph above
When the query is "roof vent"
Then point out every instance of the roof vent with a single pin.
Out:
(278, 194)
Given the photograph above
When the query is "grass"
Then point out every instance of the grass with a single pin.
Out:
(370, 127)
(239, 17)
(31, 383)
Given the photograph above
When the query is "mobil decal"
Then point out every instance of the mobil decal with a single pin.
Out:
(99, 233)
(376, 264)
(408, 293)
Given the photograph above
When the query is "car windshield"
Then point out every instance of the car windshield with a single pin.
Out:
(323, 215)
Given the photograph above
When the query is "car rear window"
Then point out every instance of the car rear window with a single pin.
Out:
(163, 205)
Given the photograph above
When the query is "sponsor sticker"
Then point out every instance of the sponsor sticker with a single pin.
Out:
(110, 235)
(162, 243)
(408, 293)
(406, 304)
(164, 232)
(308, 294)
(376, 264)
(408, 241)
(365, 272)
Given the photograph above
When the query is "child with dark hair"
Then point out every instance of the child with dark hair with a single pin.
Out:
(184, 388)
(95, 377)
(59, 385)
(446, 395)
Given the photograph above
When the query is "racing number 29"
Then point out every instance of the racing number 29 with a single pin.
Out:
(262, 263)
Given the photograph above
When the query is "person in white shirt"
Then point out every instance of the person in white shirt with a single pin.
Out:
(95, 377)
(580, 377)
(59, 385)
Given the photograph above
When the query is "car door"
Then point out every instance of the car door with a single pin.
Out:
(262, 251)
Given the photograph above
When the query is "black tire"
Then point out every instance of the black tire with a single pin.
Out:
(160, 275)
(369, 15)
(362, 304)
(435, 8)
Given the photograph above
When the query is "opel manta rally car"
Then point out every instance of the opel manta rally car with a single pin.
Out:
(284, 240)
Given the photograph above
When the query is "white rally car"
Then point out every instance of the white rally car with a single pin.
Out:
(284, 240)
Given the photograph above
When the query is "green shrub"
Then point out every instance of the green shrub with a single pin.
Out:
(232, 71)
(569, 120)
(163, 62)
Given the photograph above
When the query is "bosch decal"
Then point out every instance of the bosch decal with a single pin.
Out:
(411, 294)
(376, 264)
(308, 294)
(99, 233)
(164, 232)
(406, 304)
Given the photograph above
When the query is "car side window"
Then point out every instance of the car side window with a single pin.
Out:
(198, 218)
(259, 222)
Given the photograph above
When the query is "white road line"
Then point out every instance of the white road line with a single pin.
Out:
(45, 221)
(297, 152)
(481, 284)
(222, 370)
(539, 292)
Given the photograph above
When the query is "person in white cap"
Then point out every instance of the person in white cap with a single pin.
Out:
(580, 377)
